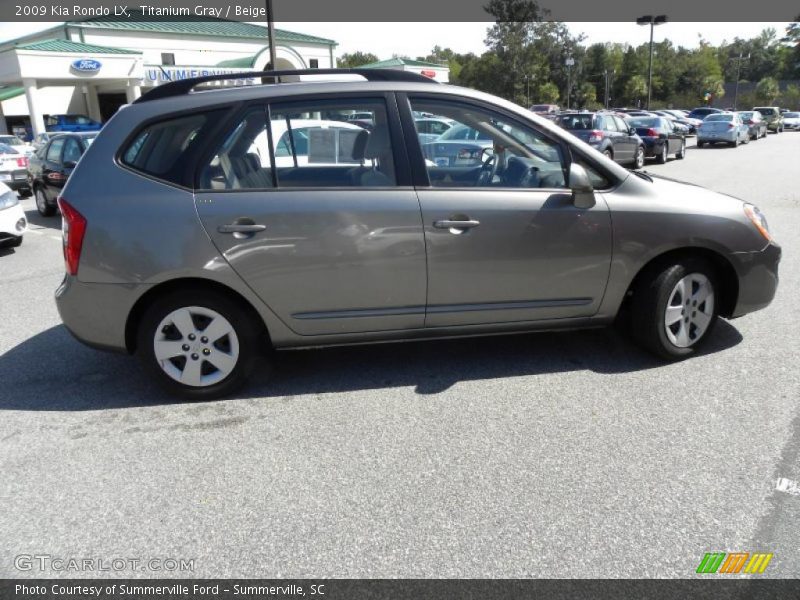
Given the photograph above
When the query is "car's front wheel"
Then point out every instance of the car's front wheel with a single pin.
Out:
(675, 308)
(198, 344)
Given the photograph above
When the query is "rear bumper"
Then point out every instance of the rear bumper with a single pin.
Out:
(758, 278)
(97, 313)
(652, 146)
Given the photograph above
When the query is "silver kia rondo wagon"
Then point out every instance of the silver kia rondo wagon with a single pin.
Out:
(206, 226)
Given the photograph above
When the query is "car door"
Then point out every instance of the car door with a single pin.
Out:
(51, 169)
(606, 124)
(510, 245)
(628, 140)
(333, 243)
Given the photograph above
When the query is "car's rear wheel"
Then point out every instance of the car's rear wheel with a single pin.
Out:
(662, 157)
(638, 159)
(675, 308)
(41, 204)
(700, 144)
(682, 152)
(198, 344)
(15, 242)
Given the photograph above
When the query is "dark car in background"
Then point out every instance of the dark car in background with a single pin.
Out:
(661, 138)
(756, 125)
(703, 111)
(52, 165)
(606, 132)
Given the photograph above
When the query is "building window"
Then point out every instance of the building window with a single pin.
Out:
(167, 59)
(313, 63)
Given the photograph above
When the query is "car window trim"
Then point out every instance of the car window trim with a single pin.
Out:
(420, 165)
(402, 167)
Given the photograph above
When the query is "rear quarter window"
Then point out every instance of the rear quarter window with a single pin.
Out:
(163, 149)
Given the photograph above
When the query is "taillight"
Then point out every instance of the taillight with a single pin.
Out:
(651, 133)
(595, 135)
(73, 228)
(22, 162)
(750, 121)
(730, 125)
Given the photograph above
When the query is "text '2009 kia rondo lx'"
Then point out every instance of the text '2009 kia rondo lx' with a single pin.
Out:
(204, 226)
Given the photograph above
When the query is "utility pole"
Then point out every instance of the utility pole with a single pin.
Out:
(738, 60)
(570, 61)
(606, 99)
(652, 21)
(271, 35)
(527, 91)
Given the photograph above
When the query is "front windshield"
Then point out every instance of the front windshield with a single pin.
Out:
(11, 140)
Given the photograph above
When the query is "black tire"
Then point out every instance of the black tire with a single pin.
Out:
(681, 154)
(662, 156)
(638, 159)
(251, 336)
(735, 143)
(649, 305)
(608, 153)
(700, 144)
(12, 243)
(41, 204)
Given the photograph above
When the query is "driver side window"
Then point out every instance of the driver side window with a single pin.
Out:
(485, 149)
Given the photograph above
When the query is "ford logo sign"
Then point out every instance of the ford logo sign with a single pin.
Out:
(87, 65)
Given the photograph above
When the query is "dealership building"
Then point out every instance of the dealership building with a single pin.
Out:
(93, 67)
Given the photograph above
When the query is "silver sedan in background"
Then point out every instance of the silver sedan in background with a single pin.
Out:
(726, 127)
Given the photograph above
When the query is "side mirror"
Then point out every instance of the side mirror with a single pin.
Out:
(70, 164)
(631, 130)
(581, 186)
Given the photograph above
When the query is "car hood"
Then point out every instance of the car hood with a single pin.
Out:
(686, 193)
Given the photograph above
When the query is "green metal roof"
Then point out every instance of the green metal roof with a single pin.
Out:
(69, 46)
(399, 62)
(10, 92)
(244, 63)
(193, 25)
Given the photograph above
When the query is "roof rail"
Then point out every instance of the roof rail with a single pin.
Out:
(184, 86)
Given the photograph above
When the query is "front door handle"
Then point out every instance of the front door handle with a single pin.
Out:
(241, 228)
(449, 224)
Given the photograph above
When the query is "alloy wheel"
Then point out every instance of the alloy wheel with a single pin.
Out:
(196, 346)
(690, 310)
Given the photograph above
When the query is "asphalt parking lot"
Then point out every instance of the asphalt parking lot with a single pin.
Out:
(549, 455)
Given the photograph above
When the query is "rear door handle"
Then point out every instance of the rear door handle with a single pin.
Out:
(241, 228)
(448, 224)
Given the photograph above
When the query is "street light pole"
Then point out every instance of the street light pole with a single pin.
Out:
(738, 72)
(652, 21)
(570, 61)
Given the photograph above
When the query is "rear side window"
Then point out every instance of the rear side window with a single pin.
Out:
(54, 151)
(163, 149)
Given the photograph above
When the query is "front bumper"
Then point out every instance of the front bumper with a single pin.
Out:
(97, 313)
(13, 223)
(758, 278)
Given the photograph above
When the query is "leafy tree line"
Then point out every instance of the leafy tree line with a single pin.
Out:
(526, 63)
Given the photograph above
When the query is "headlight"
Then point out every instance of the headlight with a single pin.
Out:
(8, 200)
(758, 219)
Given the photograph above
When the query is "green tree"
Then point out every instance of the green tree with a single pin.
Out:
(767, 90)
(547, 93)
(790, 97)
(355, 59)
(586, 96)
(636, 89)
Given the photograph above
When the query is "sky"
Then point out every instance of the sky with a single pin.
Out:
(417, 39)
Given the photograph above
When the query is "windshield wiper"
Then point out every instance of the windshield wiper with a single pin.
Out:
(642, 175)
